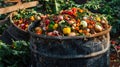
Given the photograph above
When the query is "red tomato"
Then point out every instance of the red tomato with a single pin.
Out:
(74, 10)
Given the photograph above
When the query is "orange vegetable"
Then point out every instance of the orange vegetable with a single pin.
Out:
(88, 21)
(26, 25)
(76, 28)
(75, 14)
(38, 30)
(92, 22)
(90, 26)
(78, 20)
(32, 18)
(80, 31)
(85, 31)
(20, 21)
(81, 10)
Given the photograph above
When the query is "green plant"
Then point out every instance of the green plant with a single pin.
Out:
(2, 16)
(93, 4)
(113, 11)
(2, 28)
(54, 6)
(4, 24)
(15, 55)
(116, 26)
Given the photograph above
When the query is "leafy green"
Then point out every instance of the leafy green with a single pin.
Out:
(93, 4)
(54, 6)
(17, 54)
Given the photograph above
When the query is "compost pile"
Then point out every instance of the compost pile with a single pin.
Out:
(72, 22)
(60, 34)
(23, 18)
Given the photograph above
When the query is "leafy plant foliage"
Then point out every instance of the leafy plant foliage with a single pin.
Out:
(14, 55)
(108, 7)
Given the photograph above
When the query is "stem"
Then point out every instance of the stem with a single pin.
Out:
(56, 6)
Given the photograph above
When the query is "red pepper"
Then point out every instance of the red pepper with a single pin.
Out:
(47, 21)
(68, 12)
(74, 10)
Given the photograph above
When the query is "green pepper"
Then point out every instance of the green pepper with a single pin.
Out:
(51, 26)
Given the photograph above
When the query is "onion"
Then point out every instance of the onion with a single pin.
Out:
(88, 30)
(98, 28)
(37, 17)
(85, 18)
(103, 21)
(72, 34)
(84, 23)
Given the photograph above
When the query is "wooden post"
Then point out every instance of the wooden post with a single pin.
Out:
(6, 1)
(18, 6)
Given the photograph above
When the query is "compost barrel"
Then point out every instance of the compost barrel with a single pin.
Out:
(78, 51)
(17, 33)
(6, 37)
(14, 33)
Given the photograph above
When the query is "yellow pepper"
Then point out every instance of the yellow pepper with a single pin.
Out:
(67, 30)
(20, 21)
(32, 18)
(55, 26)
(98, 19)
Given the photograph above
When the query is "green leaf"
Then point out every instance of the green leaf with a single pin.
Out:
(1, 65)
